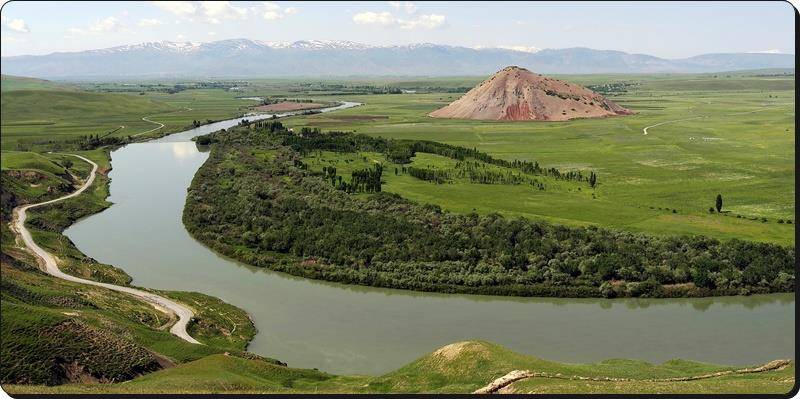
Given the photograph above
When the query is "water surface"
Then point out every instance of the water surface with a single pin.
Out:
(350, 329)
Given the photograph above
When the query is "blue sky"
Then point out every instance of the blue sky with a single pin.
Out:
(670, 30)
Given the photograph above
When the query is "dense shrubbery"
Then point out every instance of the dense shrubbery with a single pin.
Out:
(274, 214)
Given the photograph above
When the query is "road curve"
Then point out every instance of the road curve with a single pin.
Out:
(144, 118)
(183, 313)
(160, 125)
(673, 121)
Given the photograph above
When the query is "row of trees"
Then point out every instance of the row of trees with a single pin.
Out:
(401, 151)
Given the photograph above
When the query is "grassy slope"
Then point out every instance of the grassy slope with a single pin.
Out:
(74, 317)
(456, 368)
(749, 159)
(11, 82)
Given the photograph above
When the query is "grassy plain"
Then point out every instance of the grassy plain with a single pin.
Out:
(42, 115)
(740, 144)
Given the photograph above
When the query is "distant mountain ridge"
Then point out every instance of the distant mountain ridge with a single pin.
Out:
(256, 58)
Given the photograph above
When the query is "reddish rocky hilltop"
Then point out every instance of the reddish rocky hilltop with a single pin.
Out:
(518, 94)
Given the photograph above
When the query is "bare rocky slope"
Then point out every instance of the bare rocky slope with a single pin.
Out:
(518, 94)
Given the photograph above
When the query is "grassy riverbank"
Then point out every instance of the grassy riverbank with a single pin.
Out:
(457, 368)
(57, 331)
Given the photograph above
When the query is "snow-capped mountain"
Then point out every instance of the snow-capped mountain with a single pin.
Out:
(262, 58)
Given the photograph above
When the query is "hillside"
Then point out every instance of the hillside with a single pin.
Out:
(461, 367)
(518, 94)
(9, 82)
(256, 58)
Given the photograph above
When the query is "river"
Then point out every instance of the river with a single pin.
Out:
(361, 330)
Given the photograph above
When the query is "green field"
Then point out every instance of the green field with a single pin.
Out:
(740, 145)
(42, 115)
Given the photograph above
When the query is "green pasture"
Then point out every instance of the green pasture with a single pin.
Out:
(740, 144)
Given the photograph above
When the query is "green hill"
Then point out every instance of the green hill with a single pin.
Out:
(11, 82)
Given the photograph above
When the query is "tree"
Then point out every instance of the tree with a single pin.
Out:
(592, 179)
(719, 203)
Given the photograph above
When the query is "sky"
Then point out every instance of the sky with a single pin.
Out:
(668, 30)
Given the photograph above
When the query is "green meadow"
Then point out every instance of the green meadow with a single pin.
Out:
(730, 136)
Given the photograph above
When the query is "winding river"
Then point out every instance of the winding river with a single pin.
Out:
(360, 330)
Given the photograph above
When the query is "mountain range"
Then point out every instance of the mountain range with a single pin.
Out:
(254, 58)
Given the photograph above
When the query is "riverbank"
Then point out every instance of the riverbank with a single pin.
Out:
(461, 367)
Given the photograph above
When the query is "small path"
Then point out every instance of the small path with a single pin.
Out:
(518, 375)
(706, 116)
(183, 313)
(160, 125)
(673, 121)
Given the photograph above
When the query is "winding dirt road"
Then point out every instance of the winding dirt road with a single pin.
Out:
(766, 108)
(160, 125)
(673, 121)
(183, 313)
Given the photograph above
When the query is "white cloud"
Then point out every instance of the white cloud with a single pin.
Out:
(149, 22)
(105, 25)
(180, 36)
(17, 25)
(770, 51)
(273, 11)
(108, 24)
(406, 6)
(216, 11)
(179, 8)
(427, 21)
(424, 21)
(212, 33)
(374, 18)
